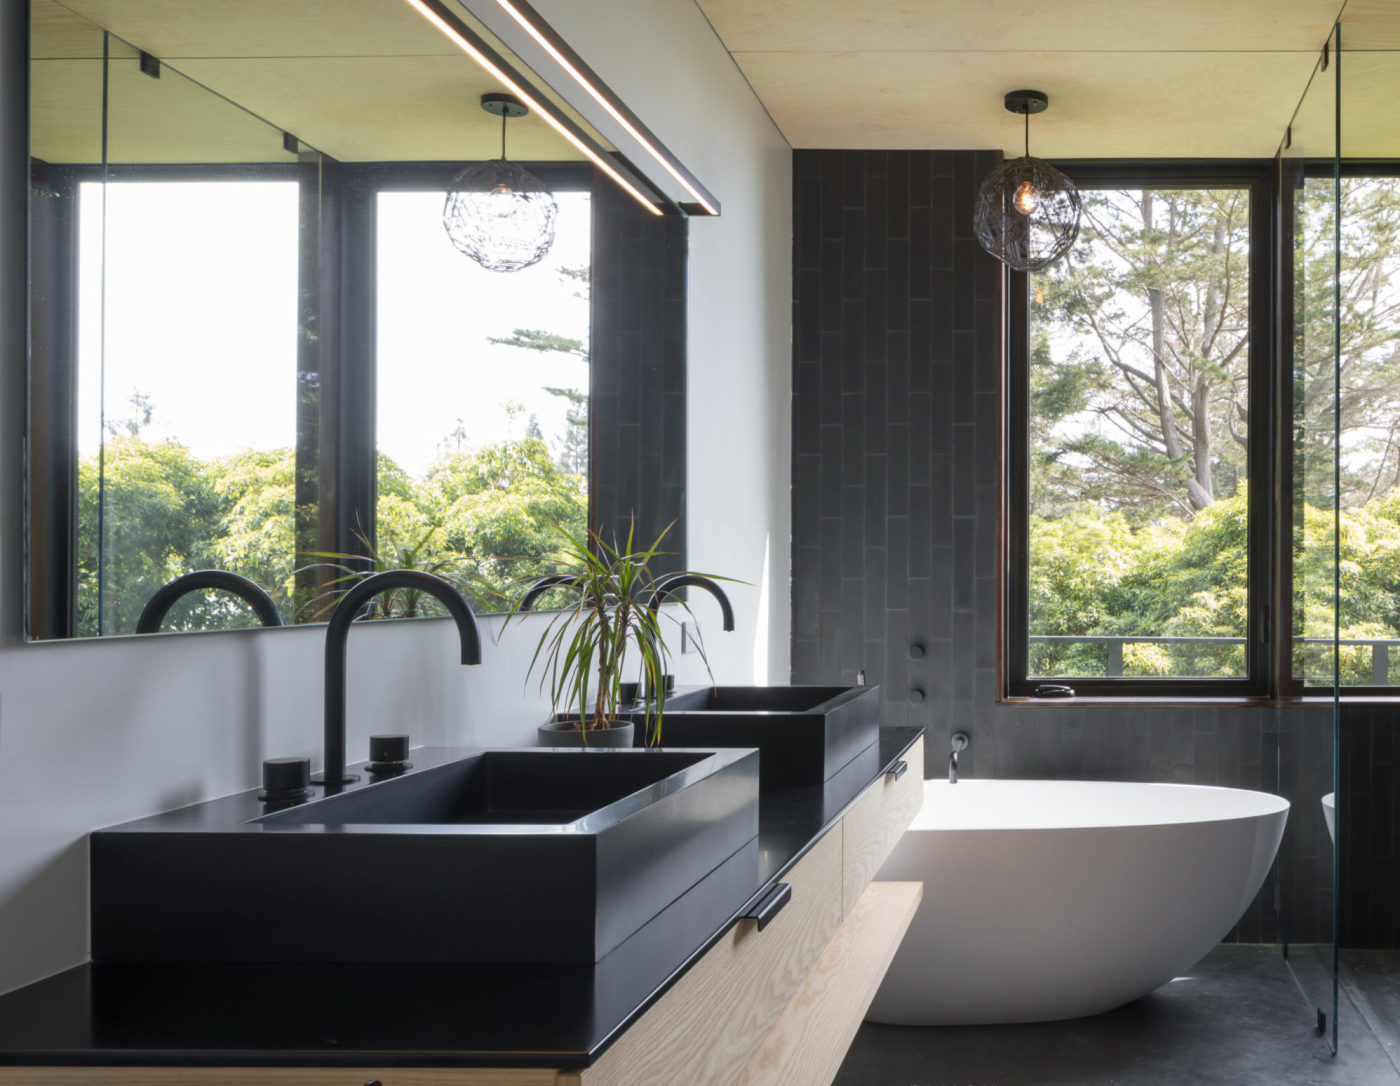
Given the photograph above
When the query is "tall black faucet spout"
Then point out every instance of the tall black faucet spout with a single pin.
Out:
(338, 632)
(669, 586)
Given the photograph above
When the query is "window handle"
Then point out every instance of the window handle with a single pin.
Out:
(1054, 690)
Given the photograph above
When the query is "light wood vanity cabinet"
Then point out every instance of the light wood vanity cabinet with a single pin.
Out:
(777, 1007)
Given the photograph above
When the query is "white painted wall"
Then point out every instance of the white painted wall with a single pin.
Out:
(664, 60)
(96, 732)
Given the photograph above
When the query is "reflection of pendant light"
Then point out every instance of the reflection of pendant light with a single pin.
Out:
(1027, 212)
(497, 212)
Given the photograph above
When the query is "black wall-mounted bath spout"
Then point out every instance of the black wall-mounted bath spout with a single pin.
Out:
(153, 614)
(669, 586)
(543, 585)
(338, 632)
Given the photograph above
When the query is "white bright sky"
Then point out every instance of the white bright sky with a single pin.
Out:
(200, 316)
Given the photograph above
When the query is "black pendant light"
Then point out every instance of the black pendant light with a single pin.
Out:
(1027, 212)
(496, 212)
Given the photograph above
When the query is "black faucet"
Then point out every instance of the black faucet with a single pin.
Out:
(338, 631)
(543, 585)
(670, 585)
(155, 610)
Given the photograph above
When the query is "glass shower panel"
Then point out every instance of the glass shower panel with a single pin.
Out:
(1308, 734)
(1369, 589)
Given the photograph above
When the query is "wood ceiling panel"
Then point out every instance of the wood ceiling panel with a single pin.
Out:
(1370, 90)
(56, 33)
(361, 109)
(1371, 24)
(1023, 25)
(1129, 105)
(175, 29)
(362, 80)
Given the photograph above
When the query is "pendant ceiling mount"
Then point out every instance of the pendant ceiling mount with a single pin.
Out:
(496, 212)
(1026, 101)
(1027, 212)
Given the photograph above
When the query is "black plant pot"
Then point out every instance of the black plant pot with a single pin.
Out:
(565, 733)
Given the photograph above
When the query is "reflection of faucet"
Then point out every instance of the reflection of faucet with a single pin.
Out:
(543, 585)
(154, 612)
(959, 743)
(338, 631)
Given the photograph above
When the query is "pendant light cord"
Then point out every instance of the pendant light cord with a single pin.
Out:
(504, 114)
(1027, 115)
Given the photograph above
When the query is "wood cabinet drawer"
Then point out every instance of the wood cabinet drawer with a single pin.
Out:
(876, 821)
(809, 1042)
(705, 1029)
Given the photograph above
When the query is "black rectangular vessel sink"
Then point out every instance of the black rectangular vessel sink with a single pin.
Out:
(499, 856)
(804, 734)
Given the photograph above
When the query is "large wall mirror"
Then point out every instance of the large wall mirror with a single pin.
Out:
(255, 348)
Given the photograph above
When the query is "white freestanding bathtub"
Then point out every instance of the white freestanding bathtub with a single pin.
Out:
(1055, 899)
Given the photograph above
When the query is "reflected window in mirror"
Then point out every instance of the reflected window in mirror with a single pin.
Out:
(240, 359)
(187, 330)
(481, 399)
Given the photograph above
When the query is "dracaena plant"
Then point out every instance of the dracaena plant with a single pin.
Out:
(583, 654)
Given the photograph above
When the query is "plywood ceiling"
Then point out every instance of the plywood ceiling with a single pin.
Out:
(361, 80)
(1187, 78)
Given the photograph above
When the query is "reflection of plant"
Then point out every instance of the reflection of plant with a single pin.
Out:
(418, 555)
(588, 643)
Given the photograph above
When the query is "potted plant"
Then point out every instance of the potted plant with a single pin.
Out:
(583, 653)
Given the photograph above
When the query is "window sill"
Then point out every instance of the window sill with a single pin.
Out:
(1308, 701)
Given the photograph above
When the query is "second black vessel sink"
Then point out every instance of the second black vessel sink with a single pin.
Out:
(804, 734)
(511, 856)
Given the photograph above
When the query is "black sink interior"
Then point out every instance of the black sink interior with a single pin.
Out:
(755, 699)
(498, 787)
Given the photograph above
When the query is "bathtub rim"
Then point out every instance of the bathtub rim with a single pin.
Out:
(1270, 804)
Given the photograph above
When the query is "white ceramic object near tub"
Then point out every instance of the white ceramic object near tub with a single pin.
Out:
(1329, 814)
(1046, 900)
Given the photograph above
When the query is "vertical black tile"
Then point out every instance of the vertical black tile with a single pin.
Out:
(897, 195)
(873, 407)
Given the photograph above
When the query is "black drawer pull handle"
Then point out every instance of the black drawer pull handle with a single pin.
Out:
(897, 770)
(771, 905)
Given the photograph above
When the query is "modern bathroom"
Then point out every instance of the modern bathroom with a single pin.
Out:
(699, 542)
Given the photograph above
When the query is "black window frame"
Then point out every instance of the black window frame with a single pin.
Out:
(1267, 516)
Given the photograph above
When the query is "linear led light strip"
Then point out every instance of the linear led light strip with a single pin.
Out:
(605, 102)
(516, 89)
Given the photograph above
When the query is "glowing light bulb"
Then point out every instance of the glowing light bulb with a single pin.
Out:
(1027, 198)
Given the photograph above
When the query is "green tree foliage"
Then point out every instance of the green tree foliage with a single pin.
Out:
(1138, 423)
(158, 514)
(500, 508)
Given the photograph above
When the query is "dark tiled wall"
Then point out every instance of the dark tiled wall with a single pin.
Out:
(638, 371)
(895, 505)
(1370, 821)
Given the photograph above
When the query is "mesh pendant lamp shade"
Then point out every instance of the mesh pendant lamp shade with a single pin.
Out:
(497, 212)
(1027, 212)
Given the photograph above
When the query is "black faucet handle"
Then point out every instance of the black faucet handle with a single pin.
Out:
(388, 754)
(285, 780)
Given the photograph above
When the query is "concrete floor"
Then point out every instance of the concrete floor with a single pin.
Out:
(1236, 1019)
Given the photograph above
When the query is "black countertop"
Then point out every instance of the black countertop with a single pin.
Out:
(427, 1015)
